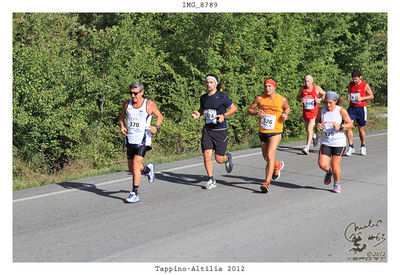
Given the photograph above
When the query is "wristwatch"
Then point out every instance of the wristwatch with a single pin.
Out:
(157, 127)
(341, 127)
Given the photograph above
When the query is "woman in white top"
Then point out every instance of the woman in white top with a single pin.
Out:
(333, 142)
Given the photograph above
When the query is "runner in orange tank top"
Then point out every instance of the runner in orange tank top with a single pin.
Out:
(273, 109)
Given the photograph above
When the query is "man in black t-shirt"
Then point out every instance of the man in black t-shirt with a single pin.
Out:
(214, 105)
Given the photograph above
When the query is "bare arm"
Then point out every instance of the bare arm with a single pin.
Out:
(368, 91)
(121, 120)
(348, 122)
(300, 95)
(318, 121)
(232, 109)
(153, 110)
(197, 114)
(251, 110)
(286, 108)
(322, 93)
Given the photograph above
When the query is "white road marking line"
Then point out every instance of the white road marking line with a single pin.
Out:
(115, 181)
(123, 179)
(355, 136)
(68, 190)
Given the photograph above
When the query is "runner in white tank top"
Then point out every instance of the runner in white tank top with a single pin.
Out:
(138, 124)
(138, 112)
(330, 136)
(333, 142)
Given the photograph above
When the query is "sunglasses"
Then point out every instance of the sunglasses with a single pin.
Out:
(133, 93)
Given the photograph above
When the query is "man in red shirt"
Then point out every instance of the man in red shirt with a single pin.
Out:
(359, 93)
(309, 97)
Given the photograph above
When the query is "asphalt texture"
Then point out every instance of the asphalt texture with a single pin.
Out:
(178, 220)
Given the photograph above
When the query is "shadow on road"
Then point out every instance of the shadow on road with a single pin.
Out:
(89, 187)
(276, 183)
(188, 179)
(296, 150)
(200, 181)
(197, 180)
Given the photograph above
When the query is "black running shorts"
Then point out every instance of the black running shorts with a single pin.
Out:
(136, 149)
(331, 151)
(214, 140)
(264, 137)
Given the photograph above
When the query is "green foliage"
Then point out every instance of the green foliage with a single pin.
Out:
(71, 73)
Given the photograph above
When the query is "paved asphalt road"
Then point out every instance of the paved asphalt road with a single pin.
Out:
(178, 220)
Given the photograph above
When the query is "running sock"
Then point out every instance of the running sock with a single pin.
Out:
(211, 178)
(146, 170)
(362, 145)
(351, 145)
(135, 189)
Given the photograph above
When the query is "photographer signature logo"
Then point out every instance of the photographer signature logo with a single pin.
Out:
(365, 237)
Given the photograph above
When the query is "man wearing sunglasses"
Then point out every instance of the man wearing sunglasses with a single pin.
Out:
(138, 112)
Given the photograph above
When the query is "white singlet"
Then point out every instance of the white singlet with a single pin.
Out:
(330, 136)
(138, 124)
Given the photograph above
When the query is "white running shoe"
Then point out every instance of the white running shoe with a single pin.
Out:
(211, 184)
(350, 151)
(133, 198)
(306, 150)
(363, 150)
(151, 176)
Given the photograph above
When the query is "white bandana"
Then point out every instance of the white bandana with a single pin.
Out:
(213, 78)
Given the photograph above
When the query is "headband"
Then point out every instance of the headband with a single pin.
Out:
(213, 78)
(270, 81)
(331, 95)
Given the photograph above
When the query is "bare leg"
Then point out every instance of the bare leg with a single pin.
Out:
(336, 170)
(137, 168)
(221, 159)
(309, 124)
(268, 151)
(361, 131)
(207, 154)
(323, 162)
(349, 134)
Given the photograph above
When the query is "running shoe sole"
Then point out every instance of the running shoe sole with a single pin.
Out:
(132, 201)
(327, 180)
(350, 152)
(151, 175)
(337, 188)
(135, 201)
(315, 140)
(214, 185)
(276, 177)
(264, 188)
(229, 163)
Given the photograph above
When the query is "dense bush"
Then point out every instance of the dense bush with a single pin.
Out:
(71, 73)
